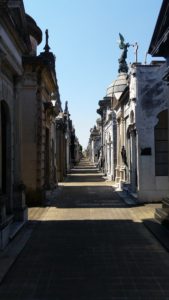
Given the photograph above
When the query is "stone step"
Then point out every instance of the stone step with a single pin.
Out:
(165, 204)
(162, 216)
(126, 185)
(15, 228)
(159, 231)
(162, 213)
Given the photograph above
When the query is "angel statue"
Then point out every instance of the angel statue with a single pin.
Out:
(122, 60)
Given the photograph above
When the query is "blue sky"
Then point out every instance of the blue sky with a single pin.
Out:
(83, 35)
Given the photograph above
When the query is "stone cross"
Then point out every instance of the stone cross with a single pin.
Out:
(47, 36)
(47, 48)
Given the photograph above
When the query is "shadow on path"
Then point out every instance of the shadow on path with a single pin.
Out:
(87, 197)
(89, 260)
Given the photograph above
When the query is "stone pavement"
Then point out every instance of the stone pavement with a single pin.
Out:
(89, 244)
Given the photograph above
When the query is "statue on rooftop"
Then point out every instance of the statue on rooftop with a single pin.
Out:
(122, 60)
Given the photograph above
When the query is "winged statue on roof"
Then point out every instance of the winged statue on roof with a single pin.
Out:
(122, 60)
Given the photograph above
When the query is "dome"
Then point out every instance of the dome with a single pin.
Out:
(110, 90)
(118, 86)
(33, 29)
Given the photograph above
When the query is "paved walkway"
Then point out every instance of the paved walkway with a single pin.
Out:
(89, 244)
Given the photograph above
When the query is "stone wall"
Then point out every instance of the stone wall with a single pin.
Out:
(152, 98)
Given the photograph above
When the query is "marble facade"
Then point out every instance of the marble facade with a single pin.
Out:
(159, 46)
(134, 134)
(36, 136)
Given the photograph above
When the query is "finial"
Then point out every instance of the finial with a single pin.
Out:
(136, 51)
(66, 106)
(47, 48)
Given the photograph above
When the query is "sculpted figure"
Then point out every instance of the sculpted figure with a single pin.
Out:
(123, 155)
(122, 60)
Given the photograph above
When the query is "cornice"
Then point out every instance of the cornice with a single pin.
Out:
(38, 64)
(159, 44)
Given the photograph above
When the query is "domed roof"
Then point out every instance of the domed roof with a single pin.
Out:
(33, 29)
(110, 90)
(118, 86)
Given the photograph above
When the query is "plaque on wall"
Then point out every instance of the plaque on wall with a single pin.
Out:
(146, 151)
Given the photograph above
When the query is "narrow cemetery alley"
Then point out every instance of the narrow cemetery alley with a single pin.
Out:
(84, 150)
(88, 244)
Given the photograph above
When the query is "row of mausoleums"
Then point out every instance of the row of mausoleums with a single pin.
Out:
(130, 140)
(38, 144)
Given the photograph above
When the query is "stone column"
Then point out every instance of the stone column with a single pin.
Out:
(1, 97)
(61, 154)
(118, 152)
(133, 161)
(112, 161)
(108, 158)
(67, 152)
(114, 145)
(92, 151)
(168, 141)
(122, 139)
(3, 199)
(19, 206)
